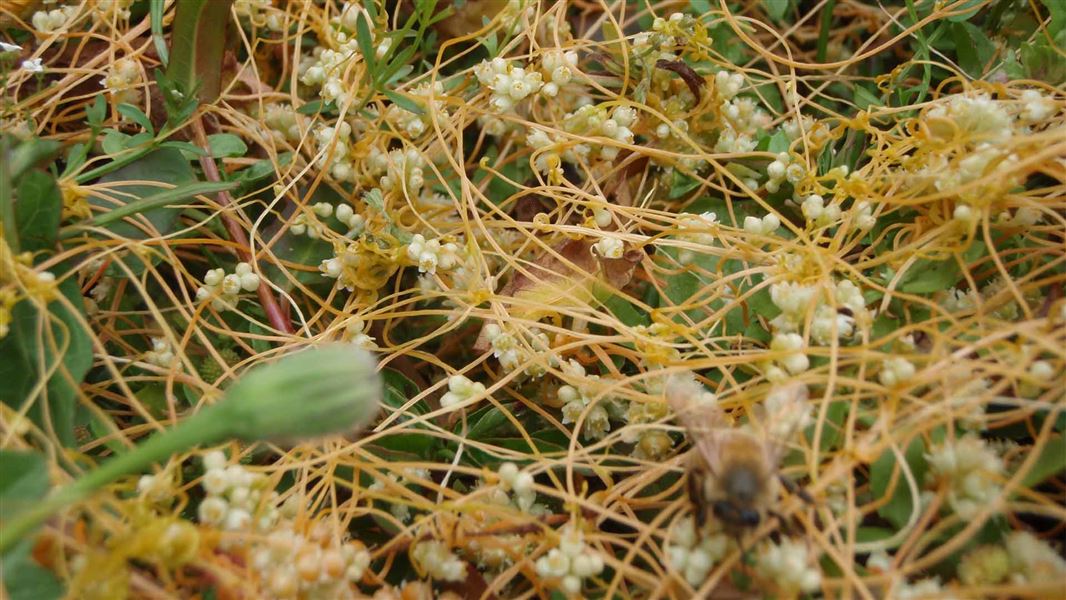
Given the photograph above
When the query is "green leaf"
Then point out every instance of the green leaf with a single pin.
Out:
(23, 481)
(38, 209)
(899, 508)
(776, 8)
(926, 276)
(404, 102)
(864, 98)
(162, 199)
(973, 48)
(29, 154)
(156, 8)
(95, 113)
(1051, 462)
(24, 579)
(365, 41)
(198, 38)
(682, 184)
(226, 145)
(969, 12)
(52, 346)
(625, 311)
(165, 165)
(134, 114)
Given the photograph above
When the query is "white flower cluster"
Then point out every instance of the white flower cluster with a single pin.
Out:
(402, 169)
(156, 488)
(588, 120)
(817, 132)
(400, 510)
(1033, 560)
(284, 122)
(790, 567)
(608, 247)
(355, 333)
(744, 120)
(414, 125)
(118, 8)
(1036, 107)
(319, 565)
(794, 358)
(835, 312)
(461, 389)
(520, 484)
(122, 78)
(571, 562)
(55, 20)
(728, 84)
(784, 168)
(237, 500)
(509, 84)
(161, 354)
(512, 351)
(326, 69)
(977, 116)
(697, 230)
(438, 561)
(765, 226)
(788, 415)
(864, 215)
(895, 370)
(970, 468)
(577, 399)
(431, 255)
(333, 144)
(817, 213)
(693, 553)
(223, 289)
(558, 67)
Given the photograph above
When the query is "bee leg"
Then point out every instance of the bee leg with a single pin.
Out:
(795, 489)
(784, 525)
(692, 485)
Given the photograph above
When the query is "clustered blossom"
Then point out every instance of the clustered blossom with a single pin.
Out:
(284, 122)
(223, 289)
(969, 470)
(895, 370)
(512, 350)
(789, 566)
(767, 225)
(587, 121)
(693, 553)
(161, 354)
(818, 213)
(571, 562)
(559, 68)
(237, 500)
(785, 168)
(355, 333)
(697, 230)
(836, 312)
(414, 125)
(122, 79)
(509, 84)
(438, 561)
(333, 144)
(55, 20)
(520, 483)
(431, 255)
(577, 400)
(460, 390)
(402, 170)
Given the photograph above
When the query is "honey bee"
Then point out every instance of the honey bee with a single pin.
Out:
(734, 472)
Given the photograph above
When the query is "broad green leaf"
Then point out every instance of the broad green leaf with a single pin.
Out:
(29, 154)
(50, 346)
(38, 207)
(165, 165)
(1051, 462)
(926, 276)
(973, 48)
(625, 311)
(23, 480)
(776, 8)
(899, 508)
(198, 37)
(404, 102)
(682, 184)
(226, 145)
(24, 579)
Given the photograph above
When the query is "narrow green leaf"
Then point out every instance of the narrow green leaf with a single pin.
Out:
(134, 114)
(198, 38)
(404, 102)
(156, 8)
(162, 199)
(365, 40)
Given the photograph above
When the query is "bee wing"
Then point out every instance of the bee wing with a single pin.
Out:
(784, 412)
(702, 420)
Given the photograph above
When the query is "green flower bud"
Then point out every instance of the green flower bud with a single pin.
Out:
(316, 392)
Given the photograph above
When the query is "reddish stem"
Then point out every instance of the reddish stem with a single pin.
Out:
(270, 304)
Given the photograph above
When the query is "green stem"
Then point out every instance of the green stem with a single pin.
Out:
(7, 199)
(204, 428)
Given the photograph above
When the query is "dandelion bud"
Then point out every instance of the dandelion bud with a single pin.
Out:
(332, 389)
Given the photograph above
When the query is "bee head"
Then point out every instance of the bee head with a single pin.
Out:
(730, 514)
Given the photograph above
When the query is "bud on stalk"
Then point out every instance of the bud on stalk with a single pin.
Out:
(321, 391)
